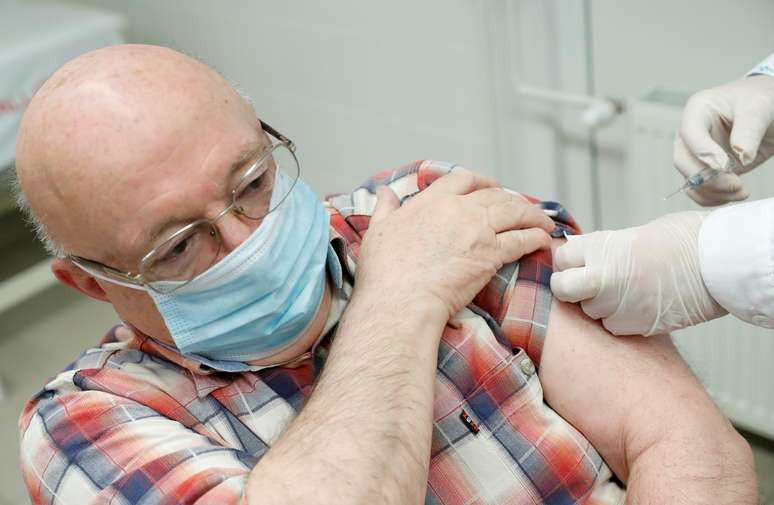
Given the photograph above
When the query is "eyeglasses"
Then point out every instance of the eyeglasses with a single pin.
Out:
(194, 248)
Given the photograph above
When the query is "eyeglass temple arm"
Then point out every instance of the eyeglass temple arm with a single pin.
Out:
(277, 135)
(106, 273)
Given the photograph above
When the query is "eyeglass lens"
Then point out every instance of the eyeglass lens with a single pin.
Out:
(185, 255)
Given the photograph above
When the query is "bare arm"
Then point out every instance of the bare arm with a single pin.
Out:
(364, 436)
(642, 408)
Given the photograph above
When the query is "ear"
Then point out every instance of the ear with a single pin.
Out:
(70, 275)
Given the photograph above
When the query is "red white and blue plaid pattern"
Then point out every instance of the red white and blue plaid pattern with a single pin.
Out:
(132, 421)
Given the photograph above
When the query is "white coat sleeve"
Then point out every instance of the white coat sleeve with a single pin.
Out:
(736, 257)
(765, 67)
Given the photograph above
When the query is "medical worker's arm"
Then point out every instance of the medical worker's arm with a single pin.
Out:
(736, 254)
(642, 408)
(364, 435)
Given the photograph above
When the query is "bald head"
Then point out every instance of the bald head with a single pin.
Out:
(98, 132)
(123, 146)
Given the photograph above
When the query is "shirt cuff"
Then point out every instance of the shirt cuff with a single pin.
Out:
(736, 255)
(765, 67)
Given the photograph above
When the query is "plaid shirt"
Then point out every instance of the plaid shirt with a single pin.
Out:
(133, 421)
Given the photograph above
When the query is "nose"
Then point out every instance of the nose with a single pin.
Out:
(234, 229)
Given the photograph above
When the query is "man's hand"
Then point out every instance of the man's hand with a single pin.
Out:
(448, 241)
(735, 118)
(364, 435)
(643, 280)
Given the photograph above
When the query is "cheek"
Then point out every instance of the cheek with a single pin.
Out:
(138, 309)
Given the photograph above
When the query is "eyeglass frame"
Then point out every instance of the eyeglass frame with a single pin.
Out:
(137, 280)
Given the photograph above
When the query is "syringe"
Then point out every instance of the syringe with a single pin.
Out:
(706, 174)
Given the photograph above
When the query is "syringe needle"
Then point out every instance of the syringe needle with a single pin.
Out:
(695, 181)
(678, 190)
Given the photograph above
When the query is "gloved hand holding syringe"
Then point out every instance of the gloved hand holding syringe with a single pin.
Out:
(706, 174)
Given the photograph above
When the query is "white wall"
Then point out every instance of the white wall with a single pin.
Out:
(359, 86)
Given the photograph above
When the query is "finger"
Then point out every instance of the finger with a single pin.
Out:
(621, 323)
(722, 188)
(598, 307)
(386, 203)
(491, 196)
(751, 121)
(574, 285)
(515, 194)
(462, 182)
(573, 253)
(514, 215)
(516, 243)
(698, 120)
(707, 197)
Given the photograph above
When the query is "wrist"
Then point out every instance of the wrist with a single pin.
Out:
(392, 327)
(410, 305)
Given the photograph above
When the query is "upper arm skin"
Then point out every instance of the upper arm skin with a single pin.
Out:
(627, 394)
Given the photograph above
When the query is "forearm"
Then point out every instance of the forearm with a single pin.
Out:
(642, 408)
(364, 435)
(679, 448)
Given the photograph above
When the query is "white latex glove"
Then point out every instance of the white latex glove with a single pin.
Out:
(643, 280)
(736, 119)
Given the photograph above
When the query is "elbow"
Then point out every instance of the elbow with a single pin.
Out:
(713, 467)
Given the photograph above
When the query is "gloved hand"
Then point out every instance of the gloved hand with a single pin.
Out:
(642, 280)
(734, 118)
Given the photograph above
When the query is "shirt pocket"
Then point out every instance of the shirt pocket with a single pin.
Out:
(501, 443)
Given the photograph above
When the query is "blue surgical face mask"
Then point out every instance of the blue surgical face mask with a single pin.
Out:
(259, 299)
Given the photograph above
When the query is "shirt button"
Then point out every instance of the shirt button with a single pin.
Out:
(527, 366)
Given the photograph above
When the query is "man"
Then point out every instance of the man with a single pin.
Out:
(267, 358)
(690, 267)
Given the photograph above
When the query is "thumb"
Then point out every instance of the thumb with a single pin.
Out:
(751, 120)
(386, 203)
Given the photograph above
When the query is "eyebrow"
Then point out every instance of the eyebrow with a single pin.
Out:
(245, 156)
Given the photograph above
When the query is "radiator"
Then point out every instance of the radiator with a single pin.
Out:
(733, 359)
